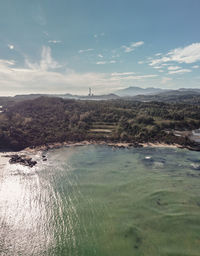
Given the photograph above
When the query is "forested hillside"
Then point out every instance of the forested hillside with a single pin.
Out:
(48, 120)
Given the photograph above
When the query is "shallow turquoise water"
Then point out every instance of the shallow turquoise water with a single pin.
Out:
(95, 200)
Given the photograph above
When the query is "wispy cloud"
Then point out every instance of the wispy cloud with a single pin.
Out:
(173, 67)
(189, 54)
(99, 35)
(133, 77)
(122, 74)
(132, 46)
(195, 66)
(180, 71)
(39, 15)
(158, 67)
(165, 80)
(45, 33)
(86, 50)
(106, 62)
(101, 62)
(54, 41)
(44, 76)
(100, 55)
(46, 63)
(7, 63)
(115, 55)
(11, 46)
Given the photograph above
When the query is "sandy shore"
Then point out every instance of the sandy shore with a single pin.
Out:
(161, 145)
(111, 144)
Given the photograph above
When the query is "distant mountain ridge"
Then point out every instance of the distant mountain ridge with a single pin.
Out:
(183, 95)
(69, 96)
(136, 91)
(133, 91)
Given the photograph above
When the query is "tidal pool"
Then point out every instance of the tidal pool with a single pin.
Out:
(99, 201)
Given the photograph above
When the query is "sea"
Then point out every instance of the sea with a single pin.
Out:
(102, 201)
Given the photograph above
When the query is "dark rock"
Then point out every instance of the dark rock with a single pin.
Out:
(23, 160)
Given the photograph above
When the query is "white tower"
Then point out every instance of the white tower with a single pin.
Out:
(90, 92)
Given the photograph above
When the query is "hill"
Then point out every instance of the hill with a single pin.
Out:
(189, 96)
(133, 91)
(48, 120)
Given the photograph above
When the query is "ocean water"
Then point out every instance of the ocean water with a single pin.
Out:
(100, 201)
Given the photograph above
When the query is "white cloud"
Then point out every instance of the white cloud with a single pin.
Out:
(165, 80)
(180, 71)
(86, 50)
(122, 74)
(159, 61)
(189, 54)
(157, 67)
(45, 77)
(11, 46)
(132, 46)
(99, 35)
(7, 62)
(173, 67)
(195, 66)
(101, 62)
(133, 77)
(140, 62)
(100, 55)
(106, 62)
(116, 56)
(54, 41)
(47, 62)
(36, 78)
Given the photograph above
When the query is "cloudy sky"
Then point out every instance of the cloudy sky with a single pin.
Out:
(49, 46)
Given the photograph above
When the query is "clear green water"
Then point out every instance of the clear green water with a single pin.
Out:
(94, 200)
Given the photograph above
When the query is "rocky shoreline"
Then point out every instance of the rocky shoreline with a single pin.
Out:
(47, 147)
(21, 159)
(82, 143)
(26, 160)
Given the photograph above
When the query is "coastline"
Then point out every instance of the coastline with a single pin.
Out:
(27, 155)
(44, 148)
(162, 145)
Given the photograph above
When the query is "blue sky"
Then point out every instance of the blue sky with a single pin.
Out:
(63, 46)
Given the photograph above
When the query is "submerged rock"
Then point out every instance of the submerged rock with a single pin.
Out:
(44, 158)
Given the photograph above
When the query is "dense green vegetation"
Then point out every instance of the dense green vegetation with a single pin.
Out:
(48, 120)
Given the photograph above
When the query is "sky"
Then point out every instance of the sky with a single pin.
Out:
(67, 46)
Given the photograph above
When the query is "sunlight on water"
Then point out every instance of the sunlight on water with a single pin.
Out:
(23, 207)
(94, 200)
